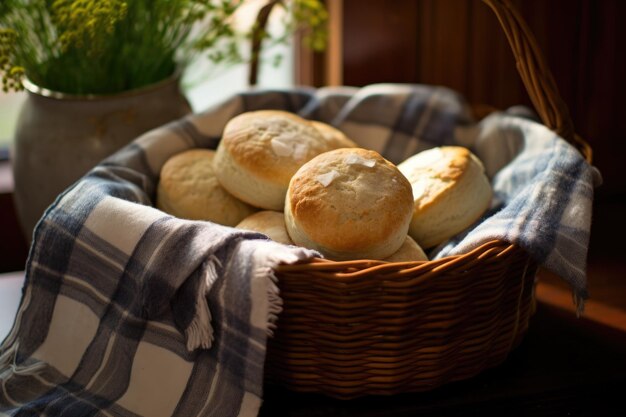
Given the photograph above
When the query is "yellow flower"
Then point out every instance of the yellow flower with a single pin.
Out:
(89, 23)
(16, 71)
(11, 74)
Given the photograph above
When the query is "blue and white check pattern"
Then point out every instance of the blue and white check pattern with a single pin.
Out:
(127, 311)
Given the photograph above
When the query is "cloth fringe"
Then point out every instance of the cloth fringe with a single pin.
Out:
(199, 333)
(579, 303)
(275, 302)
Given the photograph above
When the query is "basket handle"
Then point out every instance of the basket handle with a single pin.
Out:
(258, 30)
(536, 75)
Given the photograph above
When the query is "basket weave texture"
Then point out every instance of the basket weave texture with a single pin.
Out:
(369, 327)
(347, 330)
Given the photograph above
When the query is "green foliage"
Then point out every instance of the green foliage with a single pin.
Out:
(108, 46)
(11, 73)
(312, 16)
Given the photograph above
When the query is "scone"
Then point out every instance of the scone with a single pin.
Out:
(451, 192)
(349, 203)
(188, 188)
(408, 252)
(270, 223)
(335, 137)
(261, 150)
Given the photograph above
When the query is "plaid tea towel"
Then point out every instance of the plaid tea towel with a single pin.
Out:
(127, 311)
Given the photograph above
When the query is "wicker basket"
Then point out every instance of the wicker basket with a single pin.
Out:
(371, 327)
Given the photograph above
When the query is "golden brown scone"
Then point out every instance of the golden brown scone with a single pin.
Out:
(335, 137)
(451, 192)
(408, 252)
(188, 188)
(349, 203)
(270, 223)
(261, 150)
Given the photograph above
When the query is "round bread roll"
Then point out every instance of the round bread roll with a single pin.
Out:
(451, 192)
(335, 137)
(270, 223)
(408, 252)
(349, 203)
(189, 189)
(261, 150)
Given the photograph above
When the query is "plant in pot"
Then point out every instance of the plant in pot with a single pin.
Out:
(100, 72)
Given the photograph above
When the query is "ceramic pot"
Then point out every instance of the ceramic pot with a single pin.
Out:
(59, 137)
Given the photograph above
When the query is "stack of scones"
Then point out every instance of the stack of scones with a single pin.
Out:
(304, 183)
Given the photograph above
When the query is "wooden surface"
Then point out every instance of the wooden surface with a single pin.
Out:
(379, 41)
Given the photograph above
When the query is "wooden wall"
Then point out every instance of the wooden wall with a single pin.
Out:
(458, 43)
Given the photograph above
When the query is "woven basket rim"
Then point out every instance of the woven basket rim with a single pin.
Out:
(354, 269)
